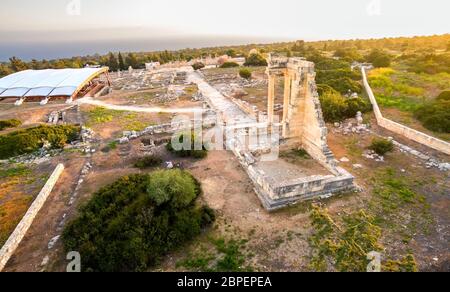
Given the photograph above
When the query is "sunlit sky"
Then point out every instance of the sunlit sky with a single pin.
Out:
(27, 21)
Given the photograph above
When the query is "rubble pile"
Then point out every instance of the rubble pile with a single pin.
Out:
(349, 128)
(127, 136)
(370, 154)
(136, 80)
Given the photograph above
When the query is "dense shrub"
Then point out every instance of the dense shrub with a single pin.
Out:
(430, 63)
(187, 150)
(355, 105)
(255, 60)
(324, 88)
(381, 146)
(245, 73)
(30, 140)
(130, 224)
(445, 95)
(198, 66)
(338, 75)
(229, 65)
(348, 54)
(435, 115)
(148, 161)
(342, 85)
(6, 124)
(336, 108)
(379, 58)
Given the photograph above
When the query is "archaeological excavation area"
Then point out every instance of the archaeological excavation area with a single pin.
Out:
(268, 165)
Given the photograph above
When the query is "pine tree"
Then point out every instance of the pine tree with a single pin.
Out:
(122, 65)
(112, 63)
(17, 64)
(132, 61)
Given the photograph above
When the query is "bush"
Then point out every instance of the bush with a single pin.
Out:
(229, 65)
(255, 60)
(445, 95)
(6, 124)
(198, 66)
(435, 115)
(130, 224)
(341, 79)
(379, 58)
(148, 162)
(189, 150)
(430, 63)
(381, 146)
(30, 140)
(336, 108)
(245, 73)
(355, 105)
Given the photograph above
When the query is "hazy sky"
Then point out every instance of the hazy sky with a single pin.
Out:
(27, 21)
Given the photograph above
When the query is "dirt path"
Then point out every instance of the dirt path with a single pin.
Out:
(90, 101)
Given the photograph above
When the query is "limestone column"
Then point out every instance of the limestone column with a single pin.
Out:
(287, 101)
(271, 98)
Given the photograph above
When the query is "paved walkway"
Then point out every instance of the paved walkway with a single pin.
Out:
(229, 110)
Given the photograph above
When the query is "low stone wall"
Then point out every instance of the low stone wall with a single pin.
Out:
(400, 129)
(16, 237)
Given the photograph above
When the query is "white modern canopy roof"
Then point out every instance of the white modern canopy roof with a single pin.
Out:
(49, 82)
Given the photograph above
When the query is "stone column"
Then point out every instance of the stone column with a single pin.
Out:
(271, 98)
(287, 101)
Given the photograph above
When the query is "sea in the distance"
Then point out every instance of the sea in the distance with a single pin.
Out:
(66, 49)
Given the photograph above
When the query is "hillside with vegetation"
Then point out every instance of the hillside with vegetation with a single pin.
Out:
(410, 74)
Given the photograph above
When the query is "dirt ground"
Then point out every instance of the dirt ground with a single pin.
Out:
(277, 241)
(274, 241)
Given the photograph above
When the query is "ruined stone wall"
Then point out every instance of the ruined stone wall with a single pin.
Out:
(275, 195)
(305, 119)
(19, 233)
(314, 138)
(400, 129)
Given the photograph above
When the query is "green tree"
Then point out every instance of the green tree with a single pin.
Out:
(254, 60)
(130, 224)
(5, 70)
(132, 61)
(17, 64)
(379, 58)
(231, 53)
(299, 46)
(112, 63)
(122, 65)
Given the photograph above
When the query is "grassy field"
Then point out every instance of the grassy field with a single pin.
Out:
(129, 121)
(400, 93)
(19, 184)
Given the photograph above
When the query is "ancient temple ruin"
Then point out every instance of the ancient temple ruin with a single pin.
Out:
(278, 183)
(302, 114)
